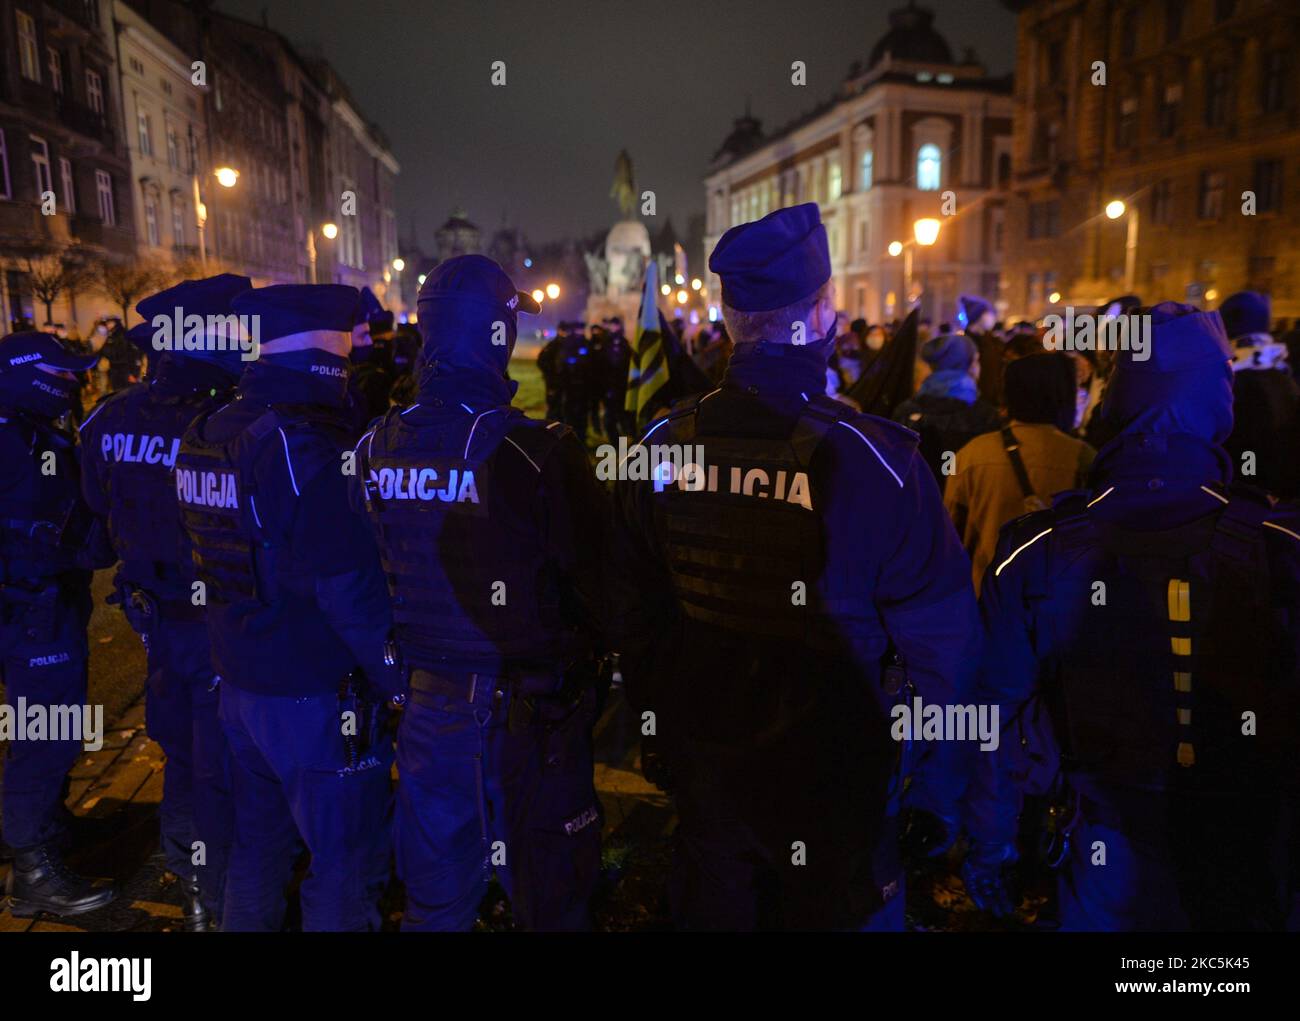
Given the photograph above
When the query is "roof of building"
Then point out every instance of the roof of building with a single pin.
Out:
(911, 36)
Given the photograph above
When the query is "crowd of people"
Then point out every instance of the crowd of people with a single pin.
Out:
(351, 553)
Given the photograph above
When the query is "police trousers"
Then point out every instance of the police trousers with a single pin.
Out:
(196, 817)
(476, 796)
(294, 784)
(43, 662)
(762, 846)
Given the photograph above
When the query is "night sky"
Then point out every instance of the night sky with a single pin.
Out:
(585, 78)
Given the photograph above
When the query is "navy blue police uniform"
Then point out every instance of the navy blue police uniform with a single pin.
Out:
(297, 618)
(774, 594)
(1133, 632)
(48, 545)
(130, 443)
(489, 524)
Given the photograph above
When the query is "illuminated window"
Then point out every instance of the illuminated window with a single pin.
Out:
(866, 166)
(29, 60)
(928, 166)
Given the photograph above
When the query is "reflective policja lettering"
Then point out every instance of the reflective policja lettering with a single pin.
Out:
(207, 489)
(133, 448)
(425, 483)
(757, 482)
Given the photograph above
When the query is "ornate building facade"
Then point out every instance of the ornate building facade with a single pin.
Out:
(912, 133)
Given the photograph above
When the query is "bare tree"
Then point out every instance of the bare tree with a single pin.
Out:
(125, 281)
(52, 273)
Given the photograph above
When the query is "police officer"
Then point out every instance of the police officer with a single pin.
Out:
(130, 442)
(548, 364)
(296, 603)
(754, 608)
(576, 374)
(371, 378)
(618, 356)
(1141, 640)
(490, 528)
(48, 544)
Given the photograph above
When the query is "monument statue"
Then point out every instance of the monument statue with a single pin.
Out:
(623, 191)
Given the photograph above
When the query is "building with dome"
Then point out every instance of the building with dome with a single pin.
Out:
(458, 236)
(909, 124)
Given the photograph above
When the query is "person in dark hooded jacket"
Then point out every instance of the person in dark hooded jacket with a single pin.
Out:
(1265, 440)
(948, 411)
(1134, 634)
(489, 524)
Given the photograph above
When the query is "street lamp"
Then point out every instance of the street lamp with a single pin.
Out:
(926, 232)
(665, 290)
(895, 248)
(1116, 208)
(330, 231)
(538, 295)
(552, 291)
(399, 264)
(227, 177)
(696, 283)
(681, 297)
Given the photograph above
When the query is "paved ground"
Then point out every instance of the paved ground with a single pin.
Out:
(115, 794)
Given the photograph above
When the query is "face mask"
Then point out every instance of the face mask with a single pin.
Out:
(328, 370)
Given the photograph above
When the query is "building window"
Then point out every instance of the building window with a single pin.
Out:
(178, 220)
(1268, 186)
(151, 219)
(144, 129)
(95, 91)
(1173, 19)
(69, 185)
(1210, 206)
(835, 184)
(928, 167)
(54, 61)
(866, 169)
(104, 187)
(7, 193)
(1126, 125)
(1044, 219)
(1272, 96)
(29, 59)
(1161, 201)
(1216, 98)
(41, 163)
(1167, 120)
(1128, 33)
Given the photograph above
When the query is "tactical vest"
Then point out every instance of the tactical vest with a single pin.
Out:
(234, 551)
(39, 537)
(468, 582)
(1162, 642)
(749, 565)
(137, 435)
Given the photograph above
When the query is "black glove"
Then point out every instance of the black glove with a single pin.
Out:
(985, 874)
(927, 834)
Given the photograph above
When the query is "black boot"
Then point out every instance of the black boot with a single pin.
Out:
(196, 916)
(40, 882)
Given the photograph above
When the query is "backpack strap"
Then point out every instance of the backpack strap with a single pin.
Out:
(1012, 446)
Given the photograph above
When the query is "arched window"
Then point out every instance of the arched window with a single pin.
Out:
(928, 161)
(867, 158)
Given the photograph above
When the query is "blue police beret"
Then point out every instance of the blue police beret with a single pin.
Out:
(141, 335)
(773, 262)
(1246, 312)
(30, 348)
(973, 306)
(209, 296)
(370, 307)
(286, 309)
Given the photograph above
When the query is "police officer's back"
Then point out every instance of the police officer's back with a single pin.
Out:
(296, 602)
(490, 527)
(48, 544)
(130, 443)
(755, 600)
(1141, 640)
